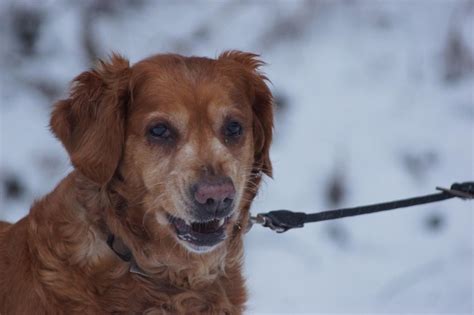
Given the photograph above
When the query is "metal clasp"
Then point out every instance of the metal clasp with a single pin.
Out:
(266, 222)
(458, 193)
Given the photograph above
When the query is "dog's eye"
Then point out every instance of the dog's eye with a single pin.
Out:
(160, 131)
(233, 129)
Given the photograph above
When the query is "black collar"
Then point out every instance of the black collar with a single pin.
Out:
(125, 254)
(119, 248)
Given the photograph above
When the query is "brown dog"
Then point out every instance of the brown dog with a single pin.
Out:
(168, 156)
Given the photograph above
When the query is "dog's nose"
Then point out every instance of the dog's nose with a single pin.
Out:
(214, 197)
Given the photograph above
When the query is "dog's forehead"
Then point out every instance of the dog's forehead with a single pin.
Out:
(188, 89)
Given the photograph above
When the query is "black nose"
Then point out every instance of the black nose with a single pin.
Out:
(213, 197)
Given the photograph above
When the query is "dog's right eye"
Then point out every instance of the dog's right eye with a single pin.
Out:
(233, 129)
(160, 131)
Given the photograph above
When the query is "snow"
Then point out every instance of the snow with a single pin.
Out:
(367, 102)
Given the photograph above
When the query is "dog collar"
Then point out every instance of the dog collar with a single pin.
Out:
(125, 254)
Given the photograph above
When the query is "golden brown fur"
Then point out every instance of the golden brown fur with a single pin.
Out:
(56, 260)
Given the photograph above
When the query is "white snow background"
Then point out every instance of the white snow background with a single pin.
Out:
(375, 102)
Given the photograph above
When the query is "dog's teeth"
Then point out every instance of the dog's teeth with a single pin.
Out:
(221, 222)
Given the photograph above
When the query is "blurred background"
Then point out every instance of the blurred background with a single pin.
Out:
(374, 102)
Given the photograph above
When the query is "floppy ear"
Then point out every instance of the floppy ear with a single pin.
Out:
(262, 106)
(90, 123)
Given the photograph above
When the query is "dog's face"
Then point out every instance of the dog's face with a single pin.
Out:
(190, 137)
(192, 133)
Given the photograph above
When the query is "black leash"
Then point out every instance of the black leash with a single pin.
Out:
(284, 220)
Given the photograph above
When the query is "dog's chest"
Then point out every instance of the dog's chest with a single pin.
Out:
(143, 296)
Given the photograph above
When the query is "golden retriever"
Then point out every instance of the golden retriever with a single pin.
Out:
(168, 155)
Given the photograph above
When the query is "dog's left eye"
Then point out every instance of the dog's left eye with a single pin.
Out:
(160, 131)
(233, 129)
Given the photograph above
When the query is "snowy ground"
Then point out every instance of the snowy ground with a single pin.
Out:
(375, 101)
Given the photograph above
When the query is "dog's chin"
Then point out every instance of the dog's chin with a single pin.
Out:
(199, 236)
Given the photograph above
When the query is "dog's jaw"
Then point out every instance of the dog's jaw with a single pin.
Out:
(198, 249)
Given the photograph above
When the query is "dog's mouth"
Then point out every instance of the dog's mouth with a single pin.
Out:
(200, 236)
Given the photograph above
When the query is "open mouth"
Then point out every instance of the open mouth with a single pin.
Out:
(200, 236)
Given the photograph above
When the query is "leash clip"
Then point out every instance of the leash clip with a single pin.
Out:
(280, 220)
(265, 221)
(464, 191)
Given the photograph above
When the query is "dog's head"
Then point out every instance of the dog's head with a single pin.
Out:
(190, 136)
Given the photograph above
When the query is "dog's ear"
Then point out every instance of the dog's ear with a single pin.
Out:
(262, 106)
(90, 123)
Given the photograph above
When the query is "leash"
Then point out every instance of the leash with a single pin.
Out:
(284, 220)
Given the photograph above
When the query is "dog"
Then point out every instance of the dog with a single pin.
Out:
(168, 155)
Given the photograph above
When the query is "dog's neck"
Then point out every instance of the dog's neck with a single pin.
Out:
(66, 235)
(101, 212)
